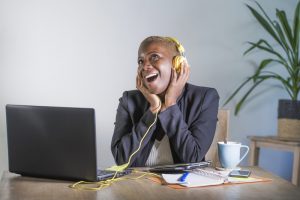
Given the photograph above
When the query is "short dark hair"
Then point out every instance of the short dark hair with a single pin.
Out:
(159, 39)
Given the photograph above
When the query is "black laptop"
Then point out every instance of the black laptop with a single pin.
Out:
(53, 142)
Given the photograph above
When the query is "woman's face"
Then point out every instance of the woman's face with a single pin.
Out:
(155, 66)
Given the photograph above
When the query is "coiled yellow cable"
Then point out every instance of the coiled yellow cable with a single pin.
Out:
(94, 186)
(116, 168)
(119, 168)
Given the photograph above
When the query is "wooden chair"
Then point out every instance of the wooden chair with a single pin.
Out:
(221, 134)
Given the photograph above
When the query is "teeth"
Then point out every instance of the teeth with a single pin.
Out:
(150, 75)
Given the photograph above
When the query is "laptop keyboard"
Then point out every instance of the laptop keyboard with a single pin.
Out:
(106, 174)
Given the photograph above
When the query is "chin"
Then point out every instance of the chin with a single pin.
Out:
(156, 90)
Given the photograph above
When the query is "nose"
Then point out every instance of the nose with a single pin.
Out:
(146, 65)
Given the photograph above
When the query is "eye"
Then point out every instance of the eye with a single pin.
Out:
(140, 61)
(154, 57)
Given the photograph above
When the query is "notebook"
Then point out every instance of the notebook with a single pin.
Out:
(195, 178)
(206, 177)
(53, 142)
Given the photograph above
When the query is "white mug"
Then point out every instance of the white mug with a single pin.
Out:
(230, 154)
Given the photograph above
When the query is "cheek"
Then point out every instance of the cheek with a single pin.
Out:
(165, 68)
(139, 70)
(167, 71)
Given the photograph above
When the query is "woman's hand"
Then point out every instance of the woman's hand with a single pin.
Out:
(153, 99)
(176, 85)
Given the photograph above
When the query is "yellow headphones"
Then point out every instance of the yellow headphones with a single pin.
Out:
(177, 60)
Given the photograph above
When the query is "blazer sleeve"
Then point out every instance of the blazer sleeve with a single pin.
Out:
(128, 133)
(191, 142)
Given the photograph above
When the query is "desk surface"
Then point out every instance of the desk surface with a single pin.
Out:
(15, 187)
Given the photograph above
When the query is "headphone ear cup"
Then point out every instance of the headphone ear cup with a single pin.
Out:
(177, 61)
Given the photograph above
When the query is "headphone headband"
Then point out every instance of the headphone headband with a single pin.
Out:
(179, 47)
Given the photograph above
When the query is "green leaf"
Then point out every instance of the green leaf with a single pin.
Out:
(261, 41)
(263, 64)
(265, 23)
(288, 87)
(280, 78)
(281, 59)
(265, 14)
(237, 90)
(269, 50)
(281, 36)
(285, 46)
(241, 102)
(261, 79)
(297, 28)
(285, 25)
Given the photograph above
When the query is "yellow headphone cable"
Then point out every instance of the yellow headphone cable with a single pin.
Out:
(117, 168)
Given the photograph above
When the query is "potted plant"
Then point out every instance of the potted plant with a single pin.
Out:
(284, 53)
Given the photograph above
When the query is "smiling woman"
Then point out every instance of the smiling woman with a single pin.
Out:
(166, 120)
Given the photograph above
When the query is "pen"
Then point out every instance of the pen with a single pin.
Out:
(183, 177)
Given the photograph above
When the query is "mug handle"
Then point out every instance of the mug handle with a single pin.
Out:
(244, 146)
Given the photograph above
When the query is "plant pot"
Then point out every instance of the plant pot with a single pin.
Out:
(289, 119)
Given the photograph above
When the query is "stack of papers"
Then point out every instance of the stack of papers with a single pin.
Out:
(196, 178)
(201, 177)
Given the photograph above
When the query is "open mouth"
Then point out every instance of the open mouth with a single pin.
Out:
(151, 77)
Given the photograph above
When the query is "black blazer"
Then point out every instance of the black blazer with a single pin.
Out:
(190, 126)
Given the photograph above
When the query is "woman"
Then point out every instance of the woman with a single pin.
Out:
(182, 116)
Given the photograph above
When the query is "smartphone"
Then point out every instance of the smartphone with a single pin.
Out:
(240, 173)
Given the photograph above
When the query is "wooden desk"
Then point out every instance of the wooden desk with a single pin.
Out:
(292, 145)
(15, 187)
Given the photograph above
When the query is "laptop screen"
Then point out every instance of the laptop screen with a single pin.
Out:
(52, 142)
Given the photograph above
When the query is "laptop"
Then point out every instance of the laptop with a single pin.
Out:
(53, 142)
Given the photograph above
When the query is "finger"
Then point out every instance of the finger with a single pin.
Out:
(187, 64)
(187, 75)
(184, 66)
(174, 76)
(182, 73)
(183, 78)
(181, 70)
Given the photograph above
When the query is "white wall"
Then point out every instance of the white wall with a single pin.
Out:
(83, 54)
